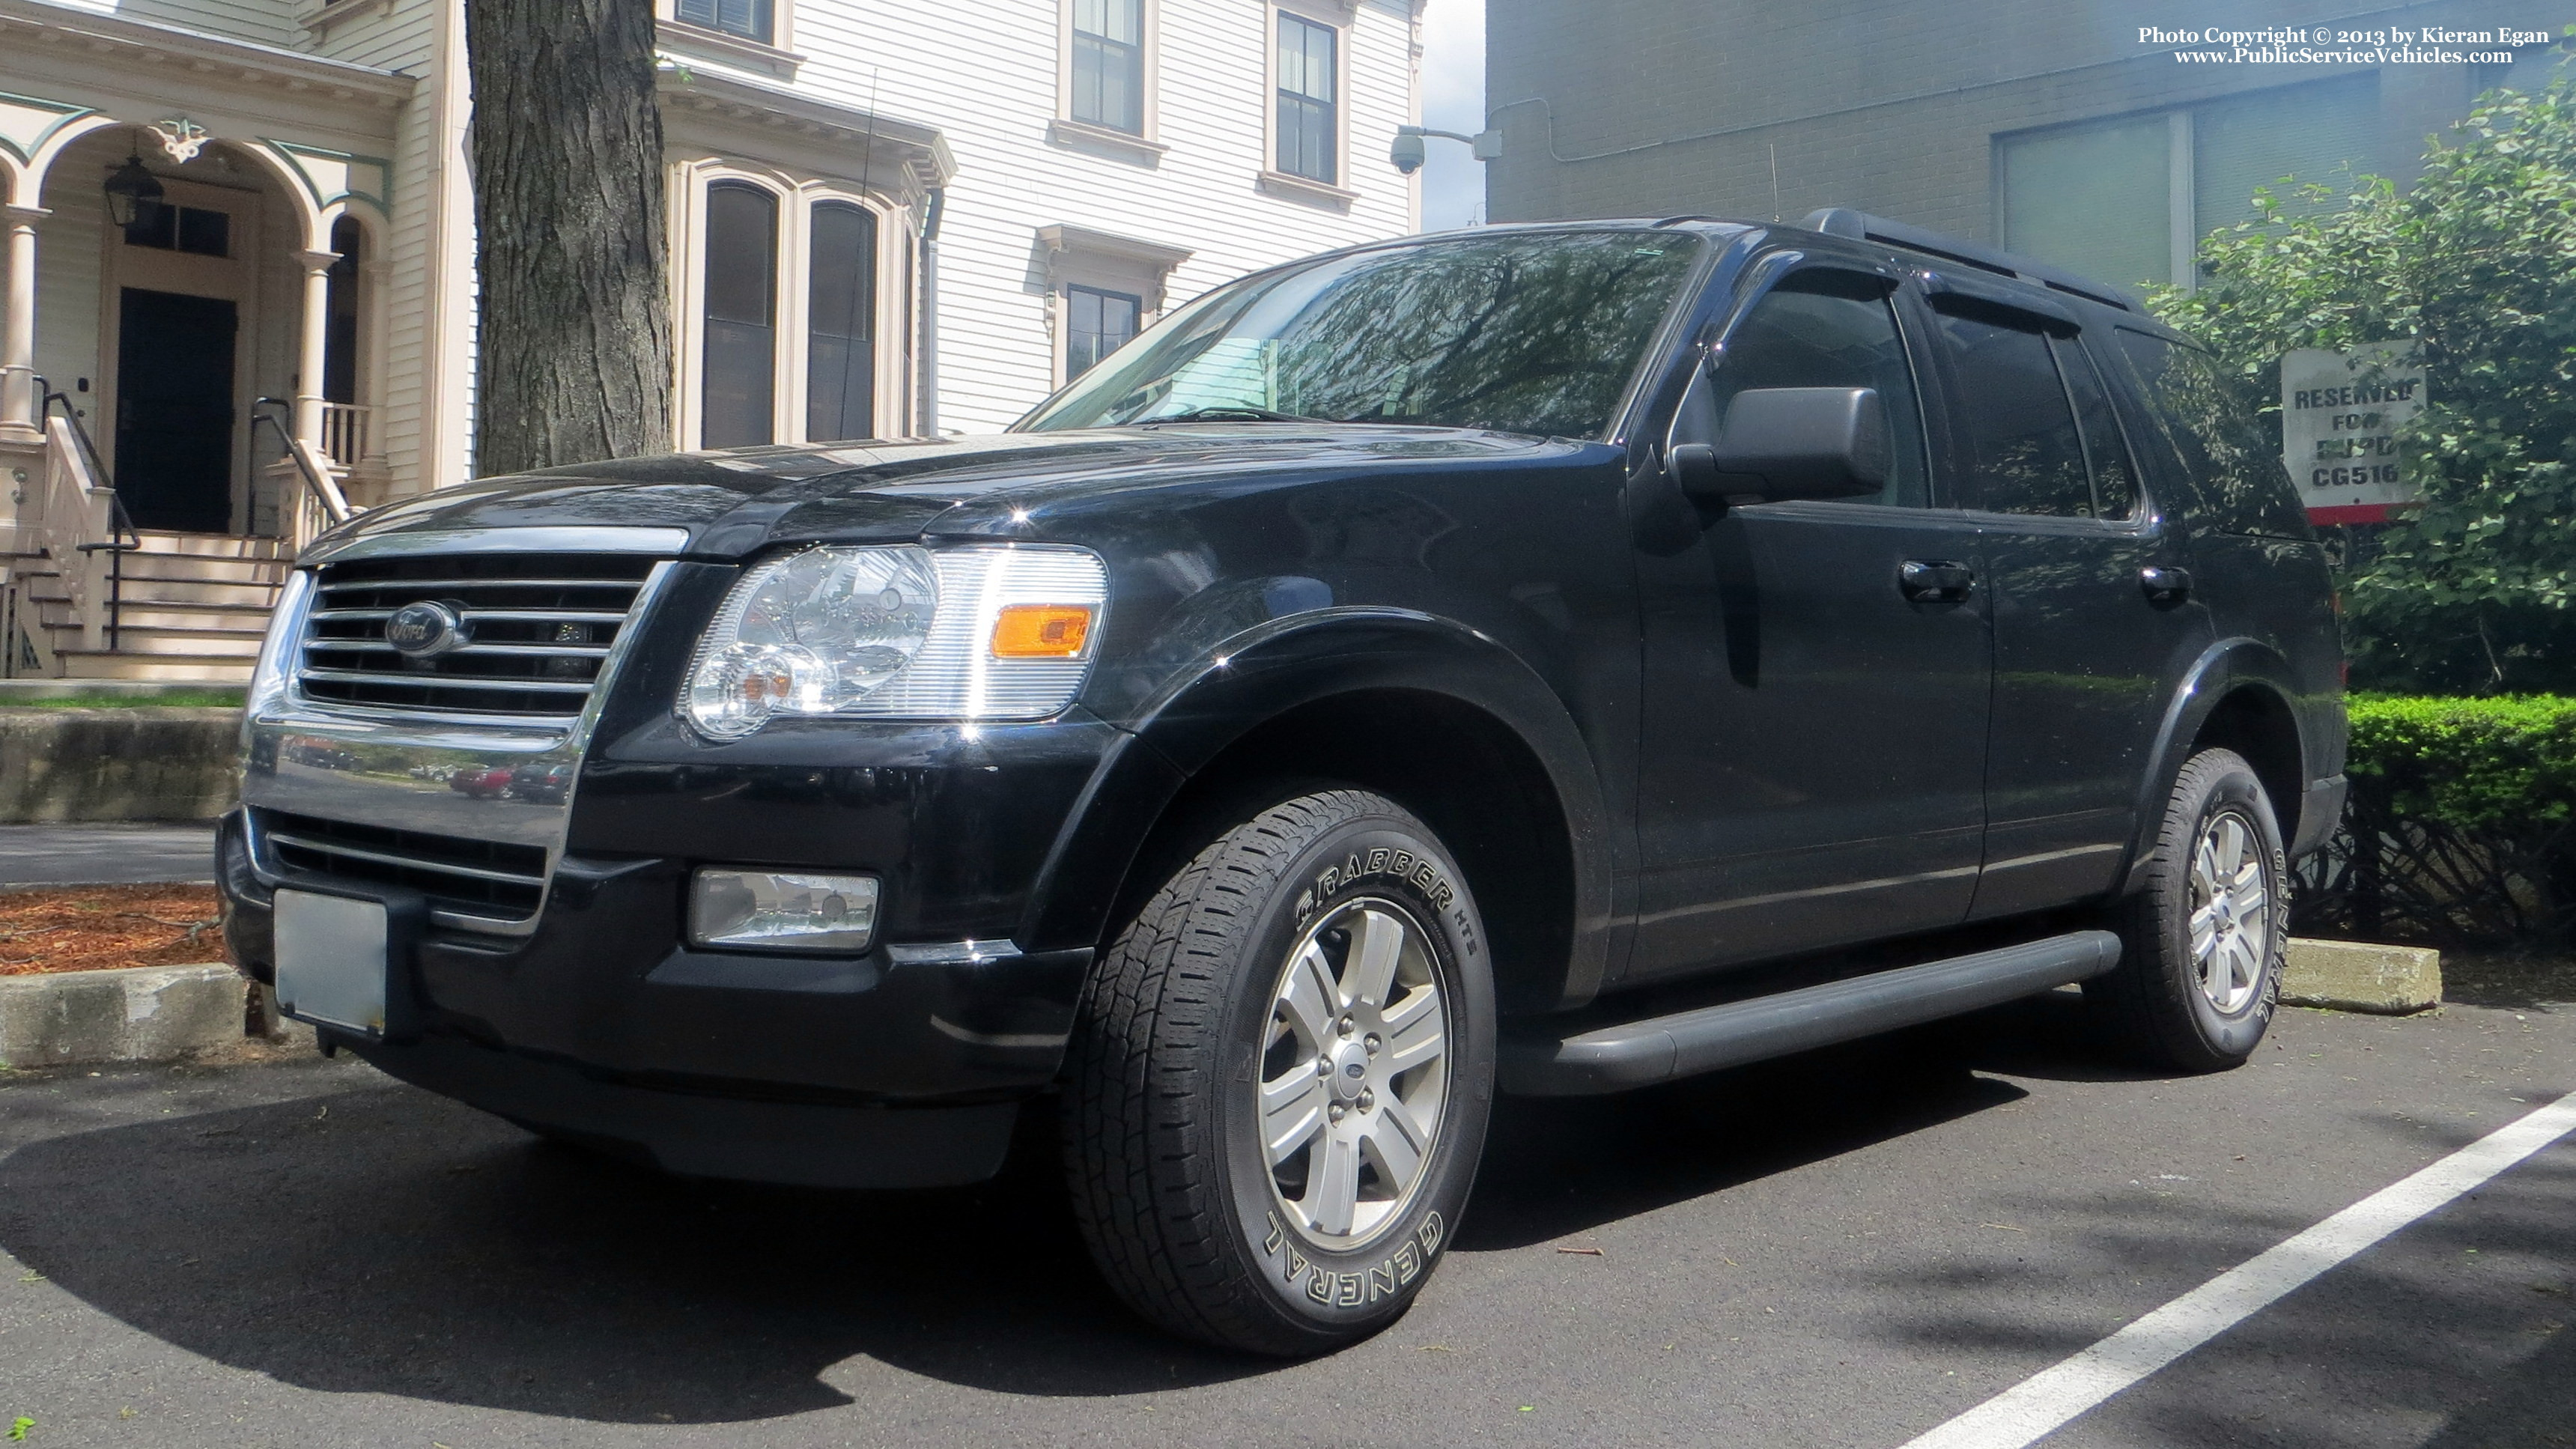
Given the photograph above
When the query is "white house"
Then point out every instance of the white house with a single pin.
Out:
(888, 217)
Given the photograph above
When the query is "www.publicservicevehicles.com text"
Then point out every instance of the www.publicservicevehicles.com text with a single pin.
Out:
(2331, 45)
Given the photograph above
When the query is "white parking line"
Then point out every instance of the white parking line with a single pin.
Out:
(2041, 1404)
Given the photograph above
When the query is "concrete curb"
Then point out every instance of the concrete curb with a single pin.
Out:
(2359, 976)
(139, 1014)
(145, 762)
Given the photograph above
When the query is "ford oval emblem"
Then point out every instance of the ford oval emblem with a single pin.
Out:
(418, 631)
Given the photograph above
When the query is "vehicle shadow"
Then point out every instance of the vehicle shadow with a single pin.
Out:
(383, 1240)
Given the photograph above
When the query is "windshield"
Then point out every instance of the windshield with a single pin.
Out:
(1518, 332)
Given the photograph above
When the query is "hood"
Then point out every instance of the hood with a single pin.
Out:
(740, 500)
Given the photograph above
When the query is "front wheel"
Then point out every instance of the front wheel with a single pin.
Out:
(2202, 946)
(1280, 1077)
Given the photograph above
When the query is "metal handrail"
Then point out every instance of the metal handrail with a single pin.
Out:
(332, 507)
(123, 537)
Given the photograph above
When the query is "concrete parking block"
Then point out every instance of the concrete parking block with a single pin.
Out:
(2359, 976)
(141, 1014)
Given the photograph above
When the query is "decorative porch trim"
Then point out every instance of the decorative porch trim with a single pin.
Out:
(16, 136)
(331, 177)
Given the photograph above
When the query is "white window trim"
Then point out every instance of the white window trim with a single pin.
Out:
(778, 56)
(1066, 130)
(1105, 262)
(796, 197)
(1339, 17)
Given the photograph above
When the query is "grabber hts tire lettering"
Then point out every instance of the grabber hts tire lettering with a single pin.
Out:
(1280, 1076)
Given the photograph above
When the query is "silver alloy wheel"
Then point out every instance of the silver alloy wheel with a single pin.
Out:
(2231, 911)
(1354, 1072)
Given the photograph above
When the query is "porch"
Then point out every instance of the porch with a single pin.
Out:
(193, 343)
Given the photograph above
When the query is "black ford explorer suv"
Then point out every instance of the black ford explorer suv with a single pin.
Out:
(1547, 659)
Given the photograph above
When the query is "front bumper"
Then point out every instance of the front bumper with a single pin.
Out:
(600, 1023)
(566, 996)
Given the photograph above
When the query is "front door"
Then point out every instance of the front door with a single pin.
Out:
(1815, 716)
(174, 409)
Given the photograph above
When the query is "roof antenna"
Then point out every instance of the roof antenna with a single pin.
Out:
(1775, 181)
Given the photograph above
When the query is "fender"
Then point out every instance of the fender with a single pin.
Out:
(2221, 667)
(1254, 676)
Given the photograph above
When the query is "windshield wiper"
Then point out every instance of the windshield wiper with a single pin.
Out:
(1232, 413)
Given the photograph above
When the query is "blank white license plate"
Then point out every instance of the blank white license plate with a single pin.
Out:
(331, 959)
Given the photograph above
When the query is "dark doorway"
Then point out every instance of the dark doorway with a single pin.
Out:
(174, 410)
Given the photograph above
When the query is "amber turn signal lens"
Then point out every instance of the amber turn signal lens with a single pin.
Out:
(1041, 631)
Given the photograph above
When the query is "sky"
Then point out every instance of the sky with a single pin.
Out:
(1453, 99)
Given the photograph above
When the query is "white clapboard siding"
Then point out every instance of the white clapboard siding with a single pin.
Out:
(986, 75)
(268, 22)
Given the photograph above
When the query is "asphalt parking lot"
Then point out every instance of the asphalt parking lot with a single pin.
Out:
(1845, 1249)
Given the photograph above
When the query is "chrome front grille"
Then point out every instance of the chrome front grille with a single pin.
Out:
(480, 878)
(537, 628)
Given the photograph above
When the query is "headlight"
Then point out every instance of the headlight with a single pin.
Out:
(275, 667)
(982, 633)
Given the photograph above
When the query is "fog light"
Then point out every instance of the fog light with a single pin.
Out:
(783, 911)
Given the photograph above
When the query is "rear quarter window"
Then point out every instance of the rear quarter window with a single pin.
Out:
(2231, 471)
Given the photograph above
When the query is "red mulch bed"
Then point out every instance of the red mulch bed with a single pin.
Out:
(98, 928)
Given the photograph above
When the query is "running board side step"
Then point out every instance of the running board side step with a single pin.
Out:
(1659, 1049)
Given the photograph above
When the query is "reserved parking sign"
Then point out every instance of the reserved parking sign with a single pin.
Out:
(2340, 413)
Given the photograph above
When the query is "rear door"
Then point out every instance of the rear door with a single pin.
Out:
(1814, 729)
(2095, 613)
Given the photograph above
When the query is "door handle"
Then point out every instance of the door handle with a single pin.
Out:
(1935, 580)
(2164, 583)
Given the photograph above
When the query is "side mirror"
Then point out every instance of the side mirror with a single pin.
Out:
(1790, 442)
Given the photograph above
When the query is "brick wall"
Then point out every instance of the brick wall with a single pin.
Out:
(1664, 107)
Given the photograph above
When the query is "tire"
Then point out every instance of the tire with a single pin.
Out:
(2183, 997)
(1191, 1052)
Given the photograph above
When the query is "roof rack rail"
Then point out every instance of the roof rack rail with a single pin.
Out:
(1861, 226)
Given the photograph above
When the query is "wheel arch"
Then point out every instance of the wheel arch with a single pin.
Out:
(2238, 696)
(1441, 719)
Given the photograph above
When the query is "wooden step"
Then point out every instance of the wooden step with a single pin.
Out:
(101, 664)
(157, 593)
(163, 614)
(212, 545)
(144, 639)
(151, 565)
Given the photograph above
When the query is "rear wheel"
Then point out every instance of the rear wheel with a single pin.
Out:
(2202, 945)
(1280, 1078)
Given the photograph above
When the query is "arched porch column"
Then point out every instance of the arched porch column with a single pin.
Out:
(313, 344)
(18, 400)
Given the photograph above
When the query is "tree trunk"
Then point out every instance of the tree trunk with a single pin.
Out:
(574, 356)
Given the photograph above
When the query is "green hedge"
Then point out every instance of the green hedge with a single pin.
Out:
(2461, 825)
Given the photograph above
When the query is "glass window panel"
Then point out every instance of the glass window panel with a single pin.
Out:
(206, 233)
(1830, 329)
(2094, 199)
(2231, 463)
(2313, 133)
(1097, 324)
(1537, 333)
(1307, 112)
(840, 358)
(746, 18)
(2115, 482)
(741, 311)
(2030, 457)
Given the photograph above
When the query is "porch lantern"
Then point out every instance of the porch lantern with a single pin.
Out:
(133, 194)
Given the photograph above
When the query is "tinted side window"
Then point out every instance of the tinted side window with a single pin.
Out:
(2224, 457)
(2115, 484)
(1823, 328)
(2029, 453)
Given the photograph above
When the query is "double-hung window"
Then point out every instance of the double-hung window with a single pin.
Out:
(1109, 64)
(749, 19)
(1308, 128)
(1101, 323)
(741, 320)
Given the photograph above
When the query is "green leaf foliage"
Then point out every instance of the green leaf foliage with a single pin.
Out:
(2474, 265)
(2461, 824)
